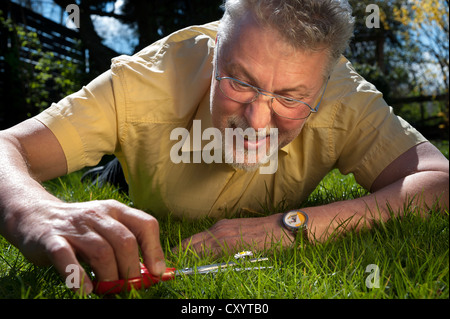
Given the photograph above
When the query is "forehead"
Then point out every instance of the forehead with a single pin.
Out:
(248, 36)
(263, 56)
(247, 31)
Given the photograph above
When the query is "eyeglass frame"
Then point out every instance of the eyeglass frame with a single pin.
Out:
(260, 91)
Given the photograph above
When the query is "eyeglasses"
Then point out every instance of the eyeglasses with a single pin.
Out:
(245, 93)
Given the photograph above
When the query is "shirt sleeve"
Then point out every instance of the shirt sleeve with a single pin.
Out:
(375, 135)
(85, 123)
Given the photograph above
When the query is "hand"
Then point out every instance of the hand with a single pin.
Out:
(104, 234)
(229, 235)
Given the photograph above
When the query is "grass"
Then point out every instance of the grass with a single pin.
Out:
(411, 254)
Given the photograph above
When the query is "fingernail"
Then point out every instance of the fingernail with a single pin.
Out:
(84, 290)
(87, 288)
(160, 267)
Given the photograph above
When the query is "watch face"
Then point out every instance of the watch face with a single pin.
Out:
(295, 219)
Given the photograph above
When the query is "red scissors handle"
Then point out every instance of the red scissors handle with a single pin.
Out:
(144, 281)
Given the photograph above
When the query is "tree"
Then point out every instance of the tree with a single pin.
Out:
(31, 75)
(152, 19)
(100, 55)
(159, 18)
(406, 57)
(428, 28)
(427, 31)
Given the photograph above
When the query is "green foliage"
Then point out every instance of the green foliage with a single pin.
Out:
(52, 74)
(407, 56)
(41, 77)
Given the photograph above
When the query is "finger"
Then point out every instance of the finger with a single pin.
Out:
(195, 241)
(62, 256)
(124, 245)
(183, 245)
(146, 229)
(98, 253)
(205, 243)
(106, 244)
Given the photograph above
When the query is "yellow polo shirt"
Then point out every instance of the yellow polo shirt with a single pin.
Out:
(131, 110)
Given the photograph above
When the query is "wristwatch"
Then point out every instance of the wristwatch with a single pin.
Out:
(295, 220)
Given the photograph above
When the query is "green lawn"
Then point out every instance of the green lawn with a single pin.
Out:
(411, 256)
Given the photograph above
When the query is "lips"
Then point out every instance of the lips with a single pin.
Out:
(255, 143)
(252, 139)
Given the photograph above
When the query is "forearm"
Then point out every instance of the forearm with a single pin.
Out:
(30, 154)
(420, 191)
(18, 189)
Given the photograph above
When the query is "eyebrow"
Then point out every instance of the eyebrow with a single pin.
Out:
(238, 70)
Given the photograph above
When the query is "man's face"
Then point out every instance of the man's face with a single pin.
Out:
(259, 57)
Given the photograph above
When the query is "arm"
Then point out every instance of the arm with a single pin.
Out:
(422, 172)
(48, 231)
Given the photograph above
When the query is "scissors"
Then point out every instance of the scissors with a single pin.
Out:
(147, 279)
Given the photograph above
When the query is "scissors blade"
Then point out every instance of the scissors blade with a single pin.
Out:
(215, 267)
(146, 279)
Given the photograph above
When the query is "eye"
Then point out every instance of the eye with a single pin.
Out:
(239, 86)
(288, 102)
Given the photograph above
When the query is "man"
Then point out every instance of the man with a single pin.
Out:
(275, 63)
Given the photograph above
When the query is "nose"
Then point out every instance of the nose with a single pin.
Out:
(259, 112)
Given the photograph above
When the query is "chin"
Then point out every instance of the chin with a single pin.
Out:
(248, 167)
(242, 161)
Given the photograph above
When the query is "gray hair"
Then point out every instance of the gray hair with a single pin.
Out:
(312, 25)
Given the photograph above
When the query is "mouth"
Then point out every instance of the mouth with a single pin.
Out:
(251, 138)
